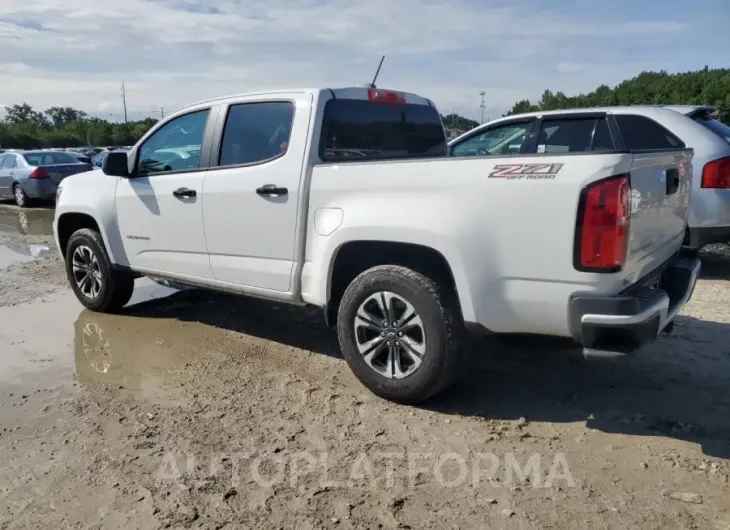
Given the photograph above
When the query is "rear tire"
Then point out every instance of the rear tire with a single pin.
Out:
(95, 283)
(436, 359)
(21, 198)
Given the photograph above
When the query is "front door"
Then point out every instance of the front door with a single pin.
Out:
(252, 189)
(159, 208)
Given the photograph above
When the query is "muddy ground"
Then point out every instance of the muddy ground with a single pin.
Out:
(198, 410)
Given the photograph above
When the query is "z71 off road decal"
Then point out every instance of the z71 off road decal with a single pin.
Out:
(525, 171)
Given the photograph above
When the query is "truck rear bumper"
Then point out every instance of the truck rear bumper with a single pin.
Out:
(607, 326)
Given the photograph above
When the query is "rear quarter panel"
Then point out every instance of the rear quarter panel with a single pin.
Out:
(508, 237)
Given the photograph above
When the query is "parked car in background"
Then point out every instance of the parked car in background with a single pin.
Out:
(98, 160)
(709, 215)
(82, 157)
(639, 128)
(31, 175)
(344, 199)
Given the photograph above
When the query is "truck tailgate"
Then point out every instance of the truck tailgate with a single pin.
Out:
(660, 195)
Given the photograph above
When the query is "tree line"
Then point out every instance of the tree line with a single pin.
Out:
(26, 128)
(701, 87)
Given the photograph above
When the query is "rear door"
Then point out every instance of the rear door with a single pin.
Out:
(251, 191)
(660, 173)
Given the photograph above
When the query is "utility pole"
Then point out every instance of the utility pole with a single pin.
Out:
(124, 102)
(482, 105)
(162, 112)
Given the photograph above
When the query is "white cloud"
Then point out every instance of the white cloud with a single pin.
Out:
(171, 52)
(567, 67)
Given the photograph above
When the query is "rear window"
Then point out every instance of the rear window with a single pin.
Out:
(644, 134)
(48, 159)
(715, 125)
(360, 130)
(574, 136)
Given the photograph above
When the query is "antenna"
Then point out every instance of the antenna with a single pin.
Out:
(377, 72)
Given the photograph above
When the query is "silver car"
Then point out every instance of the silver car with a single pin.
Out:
(709, 215)
(30, 175)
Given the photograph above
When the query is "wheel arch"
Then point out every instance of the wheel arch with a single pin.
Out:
(70, 222)
(354, 257)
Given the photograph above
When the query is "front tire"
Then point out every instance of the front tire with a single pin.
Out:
(402, 334)
(95, 283)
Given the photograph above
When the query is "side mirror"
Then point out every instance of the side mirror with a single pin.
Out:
(115, 164)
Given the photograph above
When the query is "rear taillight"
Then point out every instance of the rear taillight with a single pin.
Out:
(602, 230)
(716, 174)
(38, 173)
(386, 96)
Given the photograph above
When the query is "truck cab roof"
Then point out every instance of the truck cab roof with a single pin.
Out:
(355, 92)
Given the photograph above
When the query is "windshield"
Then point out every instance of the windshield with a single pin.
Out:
(715, 125)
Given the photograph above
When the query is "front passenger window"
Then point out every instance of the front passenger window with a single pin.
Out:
(175, 146)
(507, 139)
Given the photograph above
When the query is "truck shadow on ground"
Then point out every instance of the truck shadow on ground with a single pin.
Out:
(677, 387)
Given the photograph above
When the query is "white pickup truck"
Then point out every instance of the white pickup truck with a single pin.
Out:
(350, 200)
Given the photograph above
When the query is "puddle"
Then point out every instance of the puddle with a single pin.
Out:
(26, 222)
(52, 348)
(12, 253)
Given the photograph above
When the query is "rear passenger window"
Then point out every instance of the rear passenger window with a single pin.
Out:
(574, 136)
(256, 132)
(641, 133)
(9, 162)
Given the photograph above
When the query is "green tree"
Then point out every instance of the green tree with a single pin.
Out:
(26, 128)
(24, 114)
(701, 87)
(60, 116)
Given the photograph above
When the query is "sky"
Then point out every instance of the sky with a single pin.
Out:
(170, 53)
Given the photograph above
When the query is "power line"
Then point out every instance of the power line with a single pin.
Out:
(482, 105)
